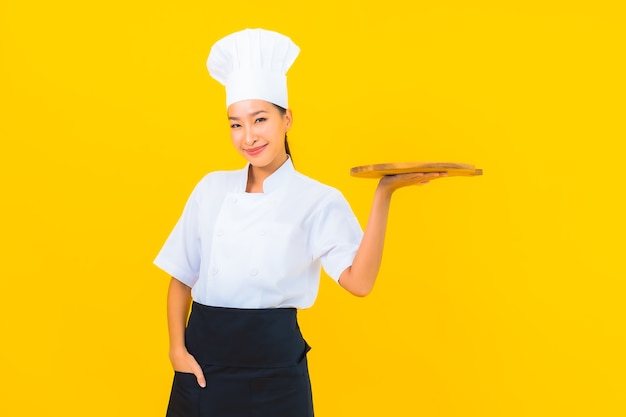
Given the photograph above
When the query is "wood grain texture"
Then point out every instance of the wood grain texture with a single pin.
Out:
(394, 168)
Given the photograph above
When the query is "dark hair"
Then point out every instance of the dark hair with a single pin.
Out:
(282, 111)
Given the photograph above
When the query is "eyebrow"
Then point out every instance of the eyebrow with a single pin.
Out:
(251, 115)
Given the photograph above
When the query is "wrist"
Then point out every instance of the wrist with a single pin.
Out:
(385, 189)
(178, 350)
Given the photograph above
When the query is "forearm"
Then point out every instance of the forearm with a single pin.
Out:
(359, 278)
(178, 302)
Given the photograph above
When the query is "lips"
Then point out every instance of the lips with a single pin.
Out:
(255, 151)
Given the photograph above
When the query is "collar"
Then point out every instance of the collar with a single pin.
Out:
(275, 180)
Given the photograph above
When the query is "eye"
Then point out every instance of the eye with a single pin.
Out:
(260, 120)
(235, 125)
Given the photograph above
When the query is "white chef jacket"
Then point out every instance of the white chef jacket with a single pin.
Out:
(260, 250)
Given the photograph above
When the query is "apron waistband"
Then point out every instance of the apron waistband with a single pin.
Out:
(258, 338)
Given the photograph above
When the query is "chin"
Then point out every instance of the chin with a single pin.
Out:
(255, 162)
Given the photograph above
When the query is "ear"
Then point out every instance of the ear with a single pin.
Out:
(288, 119)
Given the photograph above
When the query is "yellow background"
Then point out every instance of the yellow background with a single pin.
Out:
(500, 295)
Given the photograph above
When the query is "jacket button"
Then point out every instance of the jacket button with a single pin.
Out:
(253, 272)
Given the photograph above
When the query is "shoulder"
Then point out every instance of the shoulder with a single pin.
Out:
(221, 177)
(301, 180)
(217, 182)
(307, 186)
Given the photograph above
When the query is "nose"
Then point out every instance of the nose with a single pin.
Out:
(250, 137)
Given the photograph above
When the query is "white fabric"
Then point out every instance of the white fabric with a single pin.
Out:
(252, 64)
(260, 250)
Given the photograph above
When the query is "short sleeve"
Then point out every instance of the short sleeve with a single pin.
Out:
(180, 255)
(336, 235)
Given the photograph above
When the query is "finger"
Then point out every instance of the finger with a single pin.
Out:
(197, 371)
(200, 377)
(435, 175)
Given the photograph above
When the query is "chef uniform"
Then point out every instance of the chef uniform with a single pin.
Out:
(253, 259)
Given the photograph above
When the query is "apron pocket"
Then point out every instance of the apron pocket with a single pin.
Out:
(184, 396)
(280, 397)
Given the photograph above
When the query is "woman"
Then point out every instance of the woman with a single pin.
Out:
(248, 250)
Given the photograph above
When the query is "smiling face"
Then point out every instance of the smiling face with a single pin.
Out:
(257, 129)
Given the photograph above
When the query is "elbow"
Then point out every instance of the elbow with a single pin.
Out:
(357, 290)
(360, 292)
(357, 287)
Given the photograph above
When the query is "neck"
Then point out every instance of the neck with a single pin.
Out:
(257, 175)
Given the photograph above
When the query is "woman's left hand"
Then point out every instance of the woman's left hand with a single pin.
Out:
(393, 182)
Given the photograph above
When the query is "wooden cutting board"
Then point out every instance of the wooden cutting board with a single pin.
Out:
(394, 168)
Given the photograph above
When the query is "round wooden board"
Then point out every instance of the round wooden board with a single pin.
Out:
(394, 168)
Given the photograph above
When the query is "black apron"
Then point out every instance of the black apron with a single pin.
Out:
(254, 362)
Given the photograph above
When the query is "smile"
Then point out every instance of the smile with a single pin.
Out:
(255, 151)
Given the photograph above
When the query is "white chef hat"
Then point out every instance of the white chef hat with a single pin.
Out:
(252, 64)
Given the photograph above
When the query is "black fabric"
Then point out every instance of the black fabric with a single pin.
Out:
(254, 361)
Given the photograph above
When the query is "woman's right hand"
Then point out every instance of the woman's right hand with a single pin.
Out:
(183, 361)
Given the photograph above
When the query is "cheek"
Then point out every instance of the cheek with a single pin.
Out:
(235, 138)
(274, 131)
